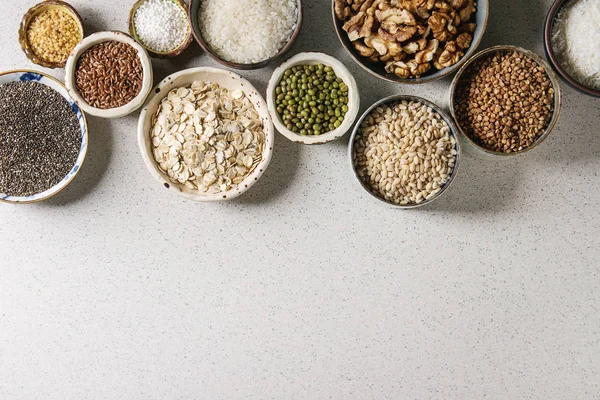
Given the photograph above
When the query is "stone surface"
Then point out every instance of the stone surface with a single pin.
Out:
(305, 288)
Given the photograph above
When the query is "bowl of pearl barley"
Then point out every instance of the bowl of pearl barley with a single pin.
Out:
(405, 152)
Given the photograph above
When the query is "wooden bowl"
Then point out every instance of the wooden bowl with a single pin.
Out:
(378, 69)
(160, 54)
(194, 10)
(35, 11)
(553, 58)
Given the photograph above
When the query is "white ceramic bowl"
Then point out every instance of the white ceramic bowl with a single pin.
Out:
(226, 79)
(101, 37)
(341, 71)
(35, 76)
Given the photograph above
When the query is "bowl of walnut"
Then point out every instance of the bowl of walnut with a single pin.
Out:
(410, 41)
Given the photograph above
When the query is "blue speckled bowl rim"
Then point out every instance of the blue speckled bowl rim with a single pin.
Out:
(40, 77)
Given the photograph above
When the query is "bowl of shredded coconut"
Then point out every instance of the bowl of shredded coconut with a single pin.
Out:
(572, 43)
(162, 27)
(245, 34)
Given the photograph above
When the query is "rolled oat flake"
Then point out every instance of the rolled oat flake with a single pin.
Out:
(40, 138)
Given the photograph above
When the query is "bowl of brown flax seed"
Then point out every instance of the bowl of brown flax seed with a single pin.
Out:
(109, 74)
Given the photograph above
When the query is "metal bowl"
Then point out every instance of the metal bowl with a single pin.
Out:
(475, 148)
(35, 11)
(392, 100)
(194, 10)
(554, 61)
(36, 76)
(378, 69)
(161, 54)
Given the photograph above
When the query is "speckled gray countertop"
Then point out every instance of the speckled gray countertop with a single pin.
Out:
(305, 288)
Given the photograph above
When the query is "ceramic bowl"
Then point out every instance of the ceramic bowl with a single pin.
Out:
(378, 69)
(35, 76)
(475, 148)
(35, 11)
(553, 58)
(226, 79)
(389, 101)
(161, 54)
(93, 40)
(341, 71)
(195, 9)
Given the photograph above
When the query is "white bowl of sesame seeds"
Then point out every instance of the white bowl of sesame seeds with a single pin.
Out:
(103, 88)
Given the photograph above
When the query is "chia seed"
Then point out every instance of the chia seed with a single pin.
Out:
(40, 138)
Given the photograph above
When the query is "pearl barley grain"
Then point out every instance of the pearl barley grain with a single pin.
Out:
(161, 25)
(404, 153)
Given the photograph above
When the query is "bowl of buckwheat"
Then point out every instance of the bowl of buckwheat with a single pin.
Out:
(206, 134)
(109, 74)
(405, 152)
(505, 101)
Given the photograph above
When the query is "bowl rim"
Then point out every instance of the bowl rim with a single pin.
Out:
(101, 37)
(162, 54)
(24, 26)
(424, 79)
(82, 151)
(453, 132)
(555, 85)
(200, 40)
(553, 58)
(340, 69)
(143, 138)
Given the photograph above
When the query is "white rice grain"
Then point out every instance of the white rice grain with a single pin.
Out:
(247, 31)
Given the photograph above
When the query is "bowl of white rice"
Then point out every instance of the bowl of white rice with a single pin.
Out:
(572, 43)
(246, 34)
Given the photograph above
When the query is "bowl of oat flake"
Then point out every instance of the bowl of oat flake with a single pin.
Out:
(206, 134)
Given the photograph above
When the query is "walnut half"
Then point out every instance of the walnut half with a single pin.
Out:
(409, 36)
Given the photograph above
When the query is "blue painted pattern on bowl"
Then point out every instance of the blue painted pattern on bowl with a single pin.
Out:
(27, 76)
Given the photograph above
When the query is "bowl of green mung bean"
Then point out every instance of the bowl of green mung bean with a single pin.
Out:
(44, 137)
(313, 99)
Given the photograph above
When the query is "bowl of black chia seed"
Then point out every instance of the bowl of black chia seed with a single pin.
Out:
(43, 137)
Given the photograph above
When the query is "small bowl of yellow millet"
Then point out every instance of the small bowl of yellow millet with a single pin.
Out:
(49, 32)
